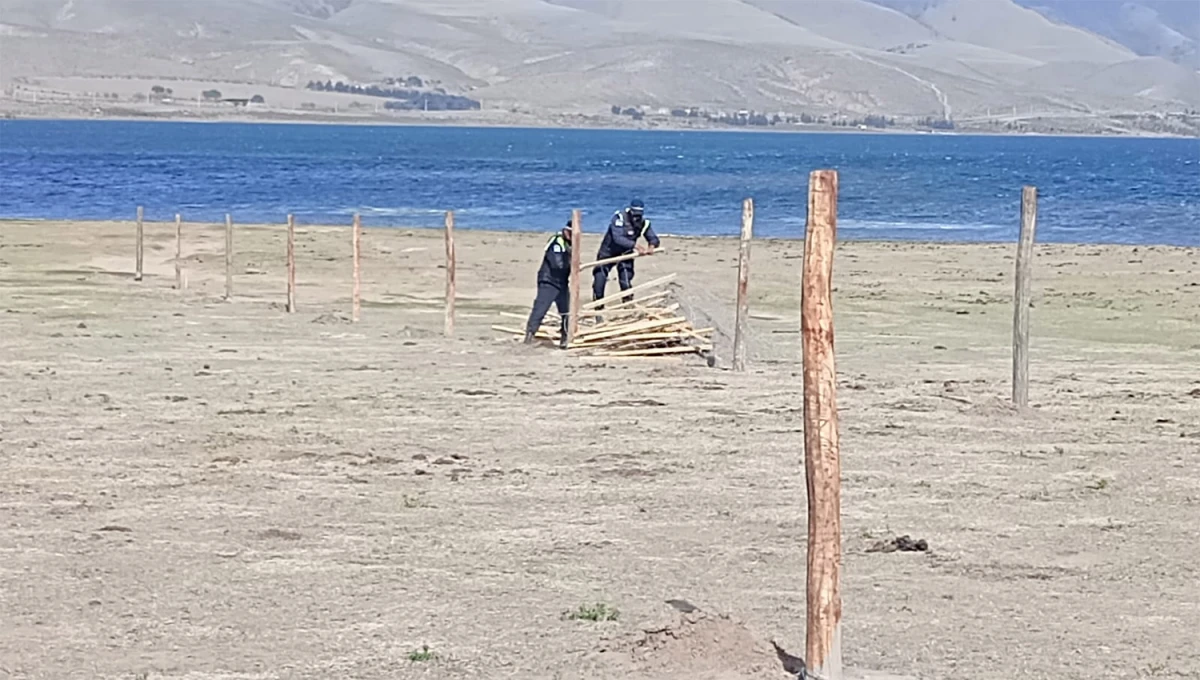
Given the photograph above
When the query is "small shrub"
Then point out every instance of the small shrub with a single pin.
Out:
(422, 655)
(594, 612)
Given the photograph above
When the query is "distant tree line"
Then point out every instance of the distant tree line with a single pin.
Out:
(410, 81)
(406, 99)
(936, 123)
(433, 101)
(871, 121)
(758, 118)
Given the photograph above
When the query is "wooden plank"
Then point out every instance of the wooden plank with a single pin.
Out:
(1021, 298)
(228, 256)
(642, 301)
(591, 306)
(630, 328)
(635, 337)
(137, 274)
(657, 351)
(620, 258)
(355, 246)
(576, 273)
(291, 264)
(822, 463)
(178, 252)
(544, 335)
(451, 286)
(743, 303)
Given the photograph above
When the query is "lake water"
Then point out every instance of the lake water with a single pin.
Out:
(928, 187)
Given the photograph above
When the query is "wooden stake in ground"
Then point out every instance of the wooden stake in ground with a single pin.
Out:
(743, 302)
(822, 464)
(450, 274)
(1021, 299)
(178, 252)
(576, 272)
(137, 275)
(355, 242)
(291, 264)
(228, 256)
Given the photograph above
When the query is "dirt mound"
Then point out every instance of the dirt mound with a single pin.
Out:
(703, 646)
(331, 318)
(995, 407)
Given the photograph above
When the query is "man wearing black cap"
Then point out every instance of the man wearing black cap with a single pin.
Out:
(626, 227)
(552, 285)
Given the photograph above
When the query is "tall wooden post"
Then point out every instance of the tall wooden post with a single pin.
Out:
(137, 275)
(573, 285)
(450, 274)
(355, 242)
(228, 256)
(743, 302)
(1021, 298)
(178, 252)
(291, 264)
(822, 464)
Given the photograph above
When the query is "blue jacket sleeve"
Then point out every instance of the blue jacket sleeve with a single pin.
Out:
(616, 231)
(651, 237)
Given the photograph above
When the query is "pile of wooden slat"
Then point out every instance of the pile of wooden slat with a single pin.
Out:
(647, 326)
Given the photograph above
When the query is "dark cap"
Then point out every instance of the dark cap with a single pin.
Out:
(636, 205)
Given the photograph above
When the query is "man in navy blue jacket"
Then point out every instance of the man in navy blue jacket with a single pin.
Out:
(624, 230)
(552, 285)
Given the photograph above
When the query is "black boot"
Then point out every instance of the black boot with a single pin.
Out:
(562, 340)
(528, 338)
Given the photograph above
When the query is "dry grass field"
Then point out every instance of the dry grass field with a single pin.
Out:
(201, 489)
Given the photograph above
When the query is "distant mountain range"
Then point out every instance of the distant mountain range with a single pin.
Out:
(943, 58)
(1151, 28)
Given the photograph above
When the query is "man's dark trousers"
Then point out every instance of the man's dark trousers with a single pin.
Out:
(624, 278)
(548, 294)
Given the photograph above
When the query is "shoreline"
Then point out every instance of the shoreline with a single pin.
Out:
(417, 230)
(476, 123)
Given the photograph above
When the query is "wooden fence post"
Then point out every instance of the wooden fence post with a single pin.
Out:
(355, 242)
(1021, 298)
(451, 291)
(291, 264)
(743, 302)
(822, 464)
(228, 256)
(576, 272)
(178, 252)
(137, 275)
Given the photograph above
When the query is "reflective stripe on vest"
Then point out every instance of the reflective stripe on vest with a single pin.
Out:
(559, 239)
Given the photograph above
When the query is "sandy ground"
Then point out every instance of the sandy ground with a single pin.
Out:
(204, 489)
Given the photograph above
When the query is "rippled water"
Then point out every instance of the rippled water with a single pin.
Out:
(940, 187)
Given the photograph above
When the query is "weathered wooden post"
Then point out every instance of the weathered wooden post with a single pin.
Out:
(450, 274)
(178, 252)
(822, 464)
(743, 302)
(137, 275)
(291, 264)
(576, 272)
(355, 242)
(228, 256)
(1021, 298)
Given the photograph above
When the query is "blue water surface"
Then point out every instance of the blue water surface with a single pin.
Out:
(927, 187)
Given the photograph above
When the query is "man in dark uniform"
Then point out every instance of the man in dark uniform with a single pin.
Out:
(552, 285)
(624, 230)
